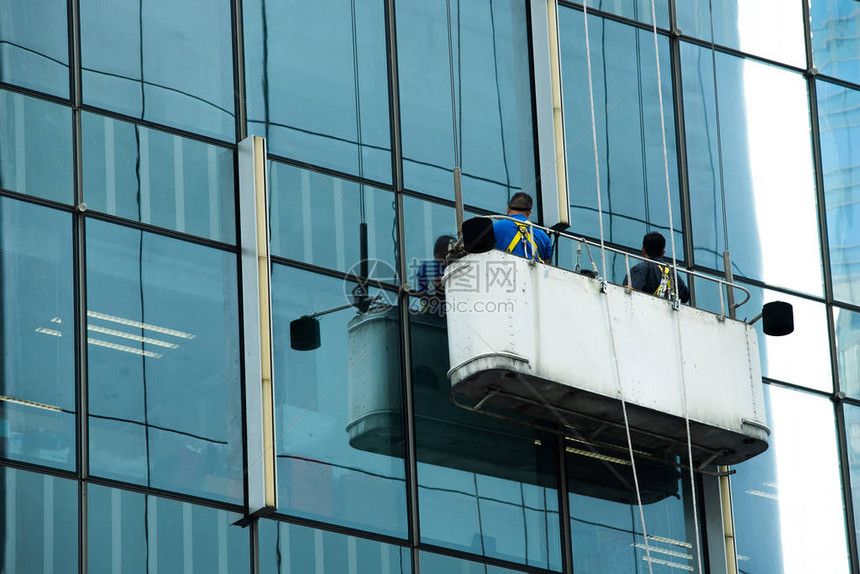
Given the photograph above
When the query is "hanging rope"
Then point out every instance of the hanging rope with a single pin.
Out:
(677, 301)
(606, 299)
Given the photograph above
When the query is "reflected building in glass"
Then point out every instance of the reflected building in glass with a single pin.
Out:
(124, 332)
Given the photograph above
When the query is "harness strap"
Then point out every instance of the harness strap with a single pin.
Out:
(523, 234)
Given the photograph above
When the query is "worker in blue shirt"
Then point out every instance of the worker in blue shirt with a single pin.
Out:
(519, 238)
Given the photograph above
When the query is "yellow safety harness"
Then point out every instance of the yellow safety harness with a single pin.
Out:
(527, 239)
(665, 288)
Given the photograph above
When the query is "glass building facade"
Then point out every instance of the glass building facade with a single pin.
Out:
(122, 421)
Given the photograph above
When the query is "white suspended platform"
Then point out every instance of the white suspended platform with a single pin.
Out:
(551, 344)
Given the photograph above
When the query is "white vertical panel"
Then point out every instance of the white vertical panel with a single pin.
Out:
(179, 182)
(306, 216)
(145, 198)
(48, 525)
(152, 533)
(116, 531)
(187, 539)
(261, 473)
(110, 168)
(214, 193)
(553, 208)
(319, 553)
(339, 231)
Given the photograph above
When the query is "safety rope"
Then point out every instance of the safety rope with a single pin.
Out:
(677, 301)
(606, 299)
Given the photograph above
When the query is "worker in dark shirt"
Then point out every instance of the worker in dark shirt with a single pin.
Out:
(521, 239)
(656, 278)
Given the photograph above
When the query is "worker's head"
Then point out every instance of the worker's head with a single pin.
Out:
(653, 245)
(520, 203)
(440, 248)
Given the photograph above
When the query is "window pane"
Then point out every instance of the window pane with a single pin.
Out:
(36, 155)
(158, 178)
(292, 548)
(37, 364)
(338, 461)
(137, 533)
(639, 10)
(317, 219)
(493, 99)
(39, 519)
(852, 432)
(629, 133)
(834, 25)
(847, 324)
(767, 170)
(839, 113)
(788, 501)
(425, 224)
(163, 361)
(34, 45)
(485, 485)
(166, 61)
(605, 521)
(801, 358)
(439, 564)
(769, 28)
(317, 83)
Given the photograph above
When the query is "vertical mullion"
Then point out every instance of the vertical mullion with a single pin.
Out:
(239, 71)
(407, 399)
(79, 281)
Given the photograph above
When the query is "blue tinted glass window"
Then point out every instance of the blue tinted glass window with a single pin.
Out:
(36, 155)
(493, 103)
(425, 224)
(835, 27)
(34, 45)
(852, 431)
(163, 363)
(158, 178)
(337, 416)
(838, 115)
(166, 61)
(317, 82)
(141, 534)
(801, 358)
(769, 28)
(782, 523)
(847, 328)
(292, 548)
(439, 564)
(605, 523)
(485, 485)
(629, 134)
(639, 10)
(37, 340)
(39, 523)
(317, 219)
(766, 172)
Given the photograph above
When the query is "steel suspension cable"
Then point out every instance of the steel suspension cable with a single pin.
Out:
(676, 302)
(606, 299)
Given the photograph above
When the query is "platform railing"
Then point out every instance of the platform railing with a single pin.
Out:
(627, 255)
